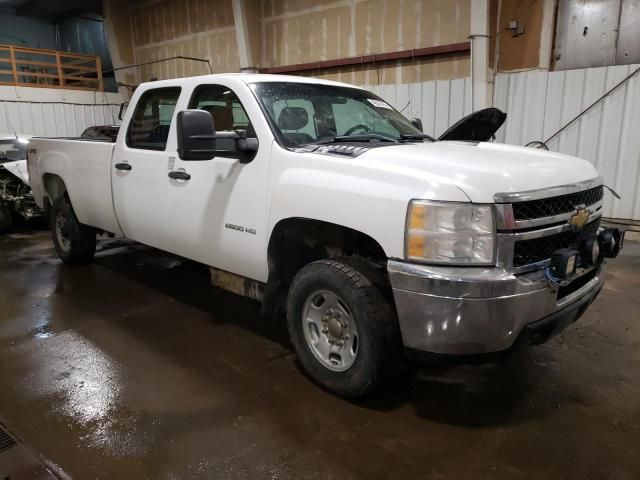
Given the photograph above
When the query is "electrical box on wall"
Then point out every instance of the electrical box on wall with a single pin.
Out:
(516, 28)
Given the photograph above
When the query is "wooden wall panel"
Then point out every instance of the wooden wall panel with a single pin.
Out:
(286, 32)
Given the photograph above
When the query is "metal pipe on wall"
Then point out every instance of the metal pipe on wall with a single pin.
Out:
(479, 54)
(373, 58)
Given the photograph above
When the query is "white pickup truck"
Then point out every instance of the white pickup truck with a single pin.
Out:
(321, 200)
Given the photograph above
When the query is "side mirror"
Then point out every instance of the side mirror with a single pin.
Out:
(245, 147)
(416, 122)
(123, 108)
(198, 139)
(196, 135)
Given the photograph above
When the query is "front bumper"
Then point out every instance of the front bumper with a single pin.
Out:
(469, 311)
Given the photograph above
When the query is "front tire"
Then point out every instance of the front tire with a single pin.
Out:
(343, 328)
(74, 242)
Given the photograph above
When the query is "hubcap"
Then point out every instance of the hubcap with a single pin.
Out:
(62, 231)
(330, 330)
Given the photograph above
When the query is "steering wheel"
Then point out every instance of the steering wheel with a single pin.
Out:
(355, 128)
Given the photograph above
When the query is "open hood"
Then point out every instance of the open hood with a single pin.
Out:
(479, 126)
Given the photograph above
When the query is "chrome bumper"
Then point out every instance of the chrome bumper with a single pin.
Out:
(467, 311)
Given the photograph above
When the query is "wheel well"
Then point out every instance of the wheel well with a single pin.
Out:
(54, 186)
(295, 242)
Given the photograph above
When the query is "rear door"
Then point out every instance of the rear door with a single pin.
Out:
(141, 160)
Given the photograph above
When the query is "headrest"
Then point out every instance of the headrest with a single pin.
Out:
(222, 116)
(293, 118)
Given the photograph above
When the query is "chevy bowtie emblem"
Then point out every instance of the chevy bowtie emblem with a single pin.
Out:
(580, 218)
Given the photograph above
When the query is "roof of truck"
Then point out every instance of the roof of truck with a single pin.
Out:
(253, 78)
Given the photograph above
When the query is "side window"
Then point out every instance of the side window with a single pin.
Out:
(149, 128)
(224, 106)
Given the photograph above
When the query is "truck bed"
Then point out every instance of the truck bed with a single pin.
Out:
(85, 166)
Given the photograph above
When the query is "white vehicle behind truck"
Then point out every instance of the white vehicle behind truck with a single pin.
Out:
(16, 200)
(321, 200)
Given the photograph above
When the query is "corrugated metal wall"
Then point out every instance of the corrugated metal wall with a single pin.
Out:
(439, 104)
(54, 119)
(538, 103)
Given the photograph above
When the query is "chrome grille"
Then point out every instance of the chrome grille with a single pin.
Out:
(526, 252)
(532, 225)
(548, 207)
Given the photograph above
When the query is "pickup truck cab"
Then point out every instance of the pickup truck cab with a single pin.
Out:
(321, 200)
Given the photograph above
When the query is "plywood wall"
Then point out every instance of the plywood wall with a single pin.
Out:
(285, 32)
(301, 31)
(520, 52)
(193, 28)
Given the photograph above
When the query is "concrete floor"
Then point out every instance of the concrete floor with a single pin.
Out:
(135, 367)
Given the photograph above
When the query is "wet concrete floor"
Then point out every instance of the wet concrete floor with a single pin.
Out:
(134, 367)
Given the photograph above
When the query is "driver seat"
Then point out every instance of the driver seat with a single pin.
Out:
(294, 118)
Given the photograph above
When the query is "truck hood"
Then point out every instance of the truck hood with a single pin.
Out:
(19, 169)
(481, 169)
(479, 126)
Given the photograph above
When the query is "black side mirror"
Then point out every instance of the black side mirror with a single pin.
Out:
(416, 122)
(196, 135)
(123, 108)
(246, 147)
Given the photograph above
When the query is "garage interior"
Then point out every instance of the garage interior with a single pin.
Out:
(137, 367)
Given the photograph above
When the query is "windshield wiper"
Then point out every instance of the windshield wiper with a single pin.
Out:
(367, 137)
(416, 136)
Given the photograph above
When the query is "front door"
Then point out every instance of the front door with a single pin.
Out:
(223, 203)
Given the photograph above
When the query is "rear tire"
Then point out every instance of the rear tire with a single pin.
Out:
(344, 330)
(74, 242)
(6, 219)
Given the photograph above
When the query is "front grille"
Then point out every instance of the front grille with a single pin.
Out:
(536, 250)
(556, 205)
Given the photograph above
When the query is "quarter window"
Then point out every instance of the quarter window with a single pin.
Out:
(149, 128)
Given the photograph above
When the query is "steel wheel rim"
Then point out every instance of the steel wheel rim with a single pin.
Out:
(330, 330)
(62, 231)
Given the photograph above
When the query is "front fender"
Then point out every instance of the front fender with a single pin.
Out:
(347, 193)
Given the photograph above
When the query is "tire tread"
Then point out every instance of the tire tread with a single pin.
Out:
(83, 237)
(385, 340)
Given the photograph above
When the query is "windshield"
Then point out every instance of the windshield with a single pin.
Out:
(13, 149)
(303, 113)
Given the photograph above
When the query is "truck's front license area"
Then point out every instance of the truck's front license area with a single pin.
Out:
(549, 260)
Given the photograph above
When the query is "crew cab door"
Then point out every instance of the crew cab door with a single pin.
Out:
(220, 209)
(140, 165)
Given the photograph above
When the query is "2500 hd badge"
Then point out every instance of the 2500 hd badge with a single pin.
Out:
(240, 228)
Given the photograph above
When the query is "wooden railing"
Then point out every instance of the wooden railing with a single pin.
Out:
(36, 67)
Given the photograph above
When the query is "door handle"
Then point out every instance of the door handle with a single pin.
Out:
(178, 175)
(123, 166)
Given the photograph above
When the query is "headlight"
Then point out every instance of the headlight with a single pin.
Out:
(450, 232)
